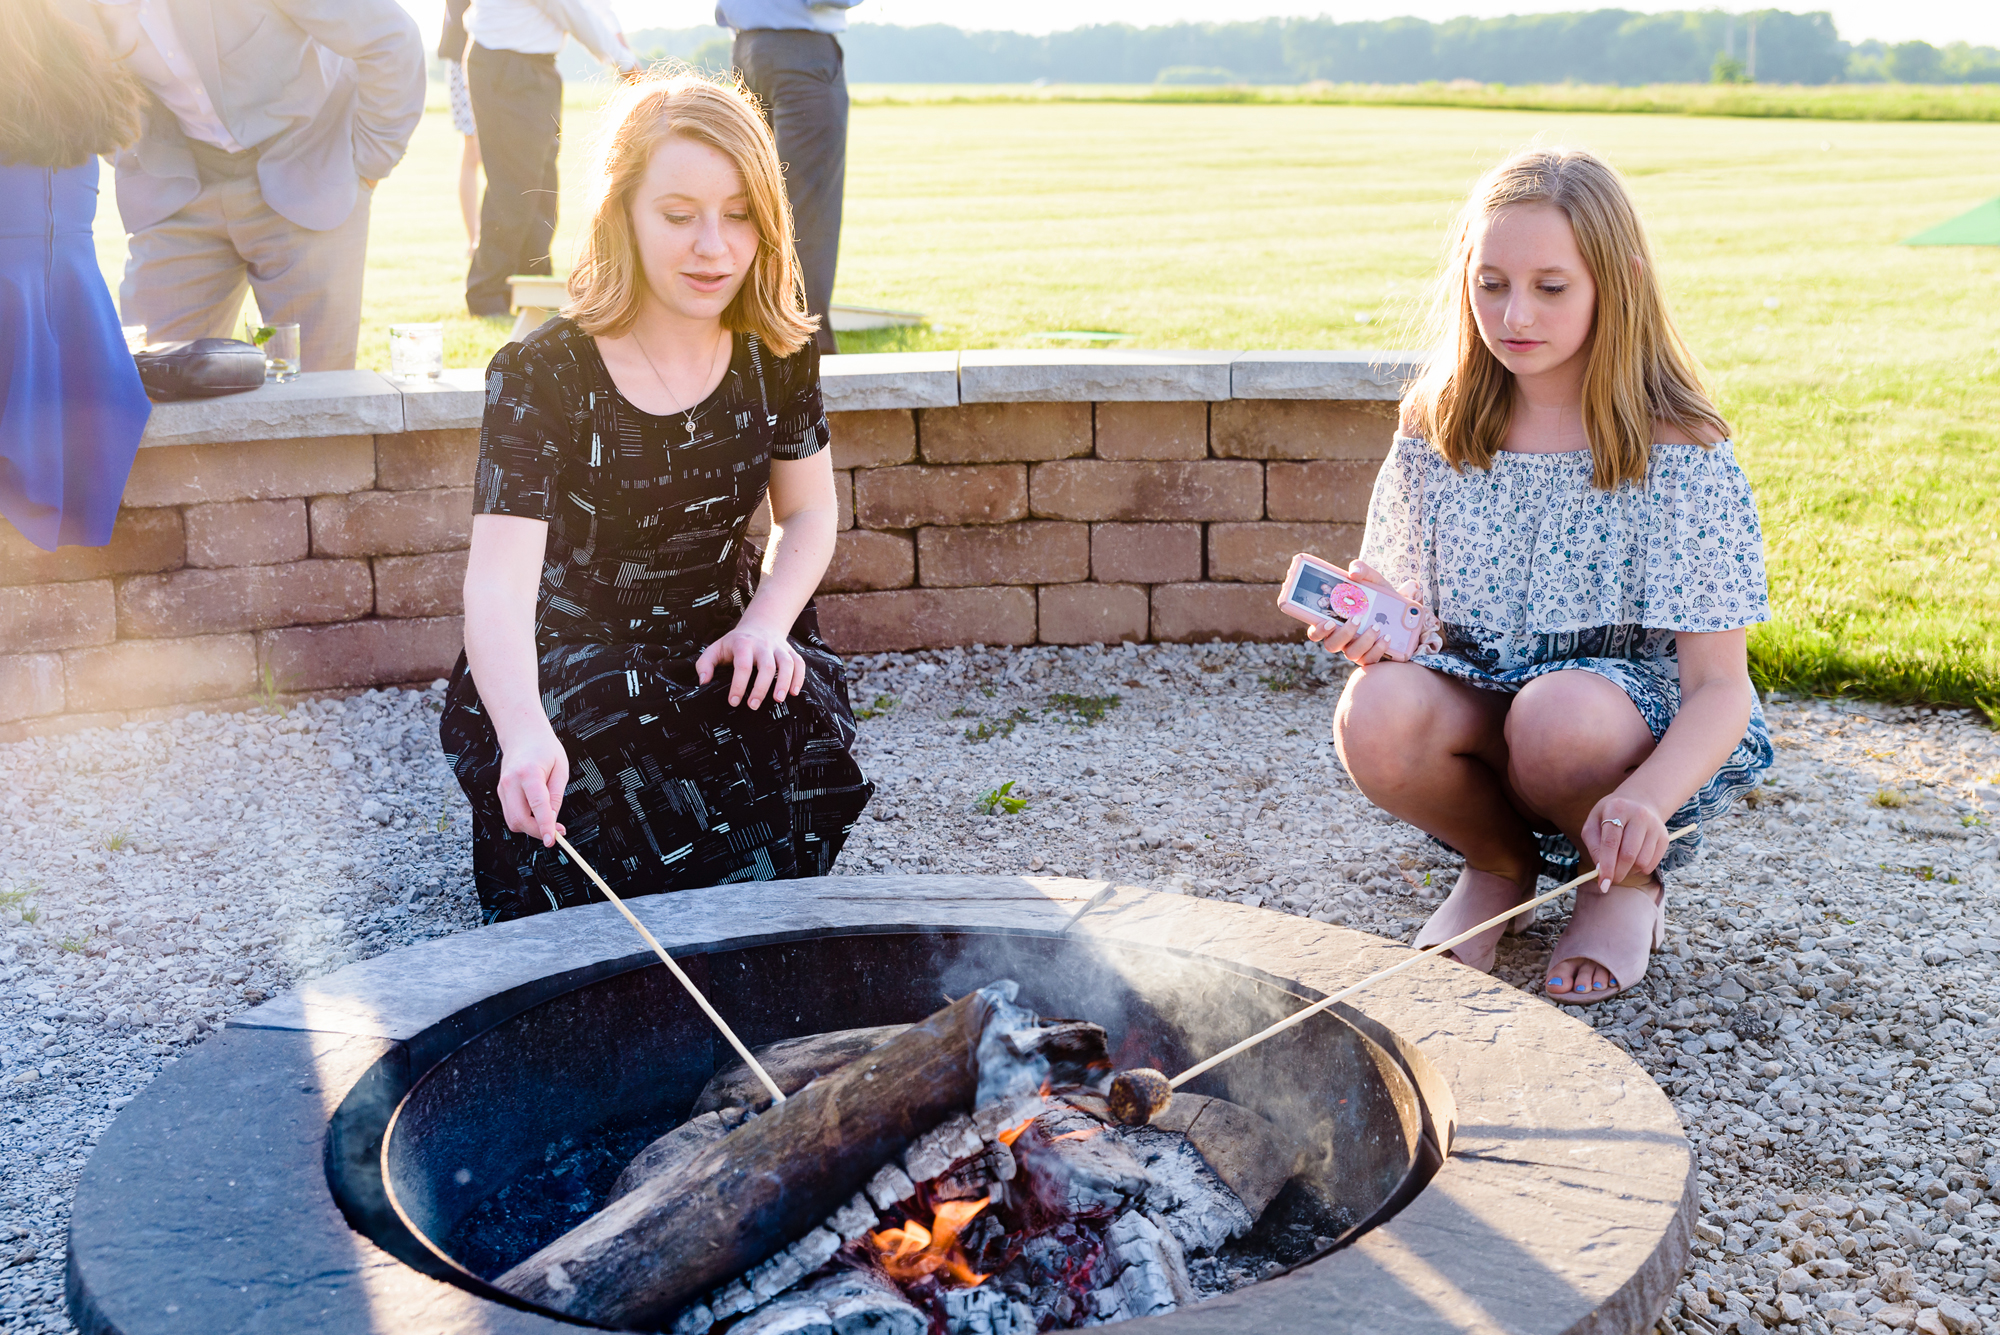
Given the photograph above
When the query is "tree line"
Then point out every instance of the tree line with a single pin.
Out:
(1604, 46)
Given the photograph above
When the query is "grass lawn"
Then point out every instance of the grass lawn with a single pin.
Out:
(1862, 377)
(1844, 102)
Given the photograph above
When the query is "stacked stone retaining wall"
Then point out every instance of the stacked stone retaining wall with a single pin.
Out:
(311, 537)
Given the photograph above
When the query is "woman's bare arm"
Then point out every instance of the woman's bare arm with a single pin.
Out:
(804, 517)
(503, 576)
(1716, 700)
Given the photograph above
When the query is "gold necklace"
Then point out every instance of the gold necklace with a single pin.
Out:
(687, 414)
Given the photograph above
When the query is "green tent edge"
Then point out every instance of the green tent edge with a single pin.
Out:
(1979, 226)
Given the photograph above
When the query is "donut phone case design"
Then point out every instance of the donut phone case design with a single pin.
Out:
(1316, 593)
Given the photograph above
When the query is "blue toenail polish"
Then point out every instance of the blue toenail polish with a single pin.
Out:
(1555, 982)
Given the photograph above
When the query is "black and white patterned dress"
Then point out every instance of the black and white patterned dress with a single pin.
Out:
(1532, 570)
(648, 563)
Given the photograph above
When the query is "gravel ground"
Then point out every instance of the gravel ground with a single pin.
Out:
(1824, 1016)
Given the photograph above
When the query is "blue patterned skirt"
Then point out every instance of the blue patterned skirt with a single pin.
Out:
(1650, 680)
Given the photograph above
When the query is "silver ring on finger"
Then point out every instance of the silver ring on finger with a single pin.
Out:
(1612, 820)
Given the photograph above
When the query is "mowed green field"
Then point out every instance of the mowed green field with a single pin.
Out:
(1862, 376)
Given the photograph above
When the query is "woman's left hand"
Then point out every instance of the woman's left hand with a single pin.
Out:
(764, 663)
(1636, 842)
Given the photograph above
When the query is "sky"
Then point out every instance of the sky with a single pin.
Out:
(1936, 21)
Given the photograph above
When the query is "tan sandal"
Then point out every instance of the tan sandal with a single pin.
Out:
(1618, 930)
(1468, 906)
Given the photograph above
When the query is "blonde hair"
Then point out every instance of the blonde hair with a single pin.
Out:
(1637, 371)
(607, 281)
(63, 96)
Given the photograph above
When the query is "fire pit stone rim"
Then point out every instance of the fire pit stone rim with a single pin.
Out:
(1532, 1177)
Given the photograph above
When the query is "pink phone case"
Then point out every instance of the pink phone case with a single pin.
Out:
(1317, 593)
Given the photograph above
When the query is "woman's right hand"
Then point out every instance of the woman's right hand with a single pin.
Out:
(534, 771)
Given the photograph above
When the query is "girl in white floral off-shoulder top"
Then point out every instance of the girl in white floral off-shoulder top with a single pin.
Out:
(1563, 496)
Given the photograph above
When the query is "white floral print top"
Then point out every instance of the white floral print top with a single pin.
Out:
(1528, 548)
(1532, 570)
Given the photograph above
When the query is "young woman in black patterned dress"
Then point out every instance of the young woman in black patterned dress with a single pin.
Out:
(628, 677)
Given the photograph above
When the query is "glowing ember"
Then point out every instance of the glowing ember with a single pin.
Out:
(911, 1252)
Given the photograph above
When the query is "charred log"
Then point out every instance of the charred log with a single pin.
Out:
(667, 1153)
(793, 1063)
(733, 1203)
(1247, 1152)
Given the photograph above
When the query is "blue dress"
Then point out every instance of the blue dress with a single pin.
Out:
(1532, 570)
(71, 405)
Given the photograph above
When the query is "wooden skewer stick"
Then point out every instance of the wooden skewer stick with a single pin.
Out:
(1428, 951)
(777, 1095)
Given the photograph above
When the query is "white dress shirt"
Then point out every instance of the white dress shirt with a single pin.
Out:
(537, 27)
(146, 29)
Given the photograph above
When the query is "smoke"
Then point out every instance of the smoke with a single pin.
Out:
(1004, 1072)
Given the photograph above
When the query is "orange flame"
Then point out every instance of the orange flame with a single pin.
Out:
(1013, 1133)
(1084, 1134)
(913, 1251)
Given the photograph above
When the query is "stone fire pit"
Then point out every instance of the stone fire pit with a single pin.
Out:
(1501, 1167)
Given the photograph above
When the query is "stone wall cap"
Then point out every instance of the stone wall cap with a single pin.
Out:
(318, 404)
(864, 381)
(1323, 375)
(1122, 375)
(454, 401)
(315, 404)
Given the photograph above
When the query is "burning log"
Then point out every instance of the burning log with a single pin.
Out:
(1072, 1169)
(732, 1204)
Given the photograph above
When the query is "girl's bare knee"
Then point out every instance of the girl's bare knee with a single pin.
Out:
(1571, 738)
(1380, 722)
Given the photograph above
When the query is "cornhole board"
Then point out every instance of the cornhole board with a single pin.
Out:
(1975, 227)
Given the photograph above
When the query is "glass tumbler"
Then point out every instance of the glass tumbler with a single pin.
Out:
(416, 351)
(280, 343)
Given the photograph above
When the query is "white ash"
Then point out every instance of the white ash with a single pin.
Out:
(1186, 1197)
(768, 1279)
(890, 1186)
(853, 1219)
(986, 1310)
(852, 1302)
(1147, 1271)
(932, 1154)
(1201, 779)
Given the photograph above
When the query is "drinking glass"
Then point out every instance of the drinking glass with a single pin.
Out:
(135, 336)
(416, 351)
(280, 343)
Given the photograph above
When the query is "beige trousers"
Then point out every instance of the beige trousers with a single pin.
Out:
(186, 276)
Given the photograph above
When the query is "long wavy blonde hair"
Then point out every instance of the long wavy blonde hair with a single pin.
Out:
(1638, 372)
(608, 279)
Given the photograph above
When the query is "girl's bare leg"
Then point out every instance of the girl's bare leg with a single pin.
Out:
(468, 191)
(1570, 738)
(1432, 751)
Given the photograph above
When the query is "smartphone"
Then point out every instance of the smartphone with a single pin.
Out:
(1317, 593)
